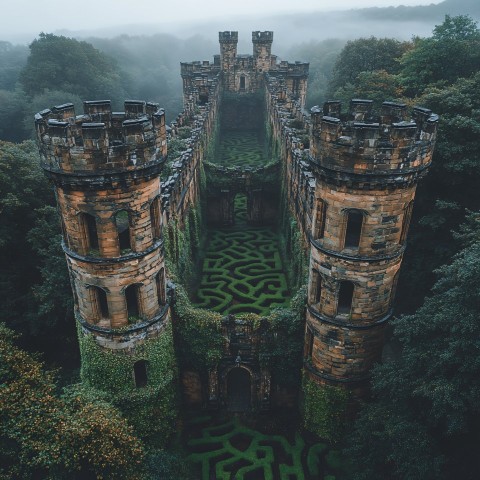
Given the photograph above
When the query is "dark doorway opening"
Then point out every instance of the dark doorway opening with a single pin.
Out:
(140, 373)
(238, 390)
(131, 296)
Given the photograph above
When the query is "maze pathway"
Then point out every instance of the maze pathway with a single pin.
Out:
(229, 450)
(242, 270)
(240, 148)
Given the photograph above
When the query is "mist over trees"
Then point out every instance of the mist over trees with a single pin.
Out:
(422, 421)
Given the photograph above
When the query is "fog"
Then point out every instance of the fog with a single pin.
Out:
(23, 20)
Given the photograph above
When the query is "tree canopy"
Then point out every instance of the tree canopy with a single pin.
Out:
(424, 420)
(47, 435)
(61, 63)
(366, 55)
(452, 52)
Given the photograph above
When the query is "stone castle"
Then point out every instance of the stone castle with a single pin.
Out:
(348, 180)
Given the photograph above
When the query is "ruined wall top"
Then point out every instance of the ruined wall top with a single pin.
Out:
(396, 141)
(262, 37)
(101, 140)
(228, 37)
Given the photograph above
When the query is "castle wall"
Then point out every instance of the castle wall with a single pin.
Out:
(349, 179)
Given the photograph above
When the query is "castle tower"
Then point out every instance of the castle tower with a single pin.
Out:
(105, 167)
(228, 54)
(366, 175)
(262, 50)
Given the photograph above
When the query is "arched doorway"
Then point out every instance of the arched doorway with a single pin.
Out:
(239, 386)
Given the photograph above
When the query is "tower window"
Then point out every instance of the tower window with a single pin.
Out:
(315, 287)
(89, 226)
(407, 215)
(155, 218)
(160, 280)
(242, 82)
(101, 302)
(123, 229)
(345, 297)
(131, 297)
(140, 373)
(354, 228)
(320, 217)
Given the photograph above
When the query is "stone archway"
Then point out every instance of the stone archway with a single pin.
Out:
(239, 390)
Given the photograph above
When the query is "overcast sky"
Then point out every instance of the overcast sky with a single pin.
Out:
(20, 17)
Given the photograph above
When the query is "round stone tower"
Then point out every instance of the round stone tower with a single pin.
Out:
(106, 170)
(366, 170)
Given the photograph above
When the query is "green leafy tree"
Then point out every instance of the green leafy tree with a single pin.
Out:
(35, 290)
(366, 55)
(452, 52)
(424, 419)
(450, 188)
(65, 64)
(77, 435)
(378, 86)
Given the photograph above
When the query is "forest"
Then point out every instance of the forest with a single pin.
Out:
(423, 419)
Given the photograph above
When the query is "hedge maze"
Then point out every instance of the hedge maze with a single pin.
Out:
(242, 270)
(240, 148)
(229, 450)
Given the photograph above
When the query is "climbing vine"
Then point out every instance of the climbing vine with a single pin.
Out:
(200, 340)
(183, 246)
(112, 372)
(324, 410)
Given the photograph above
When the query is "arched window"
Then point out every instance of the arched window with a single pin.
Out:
(354, 228)
(89, 230)
(123, 229)
(133, 304)
(407, 215)
(140, 373)
(160, 281)
(345, 297)
(101, 303)
(320, 218)
(155, 220)
(315, 287)
(242, 82)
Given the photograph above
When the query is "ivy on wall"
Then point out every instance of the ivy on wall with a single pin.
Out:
(150, 409)
(282, 352)
(183, 245)
(324, 410)
(199, 335)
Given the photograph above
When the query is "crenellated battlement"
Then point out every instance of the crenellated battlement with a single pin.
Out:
(228, 37)
(356, 142)
(262, 37)
(100, 140)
